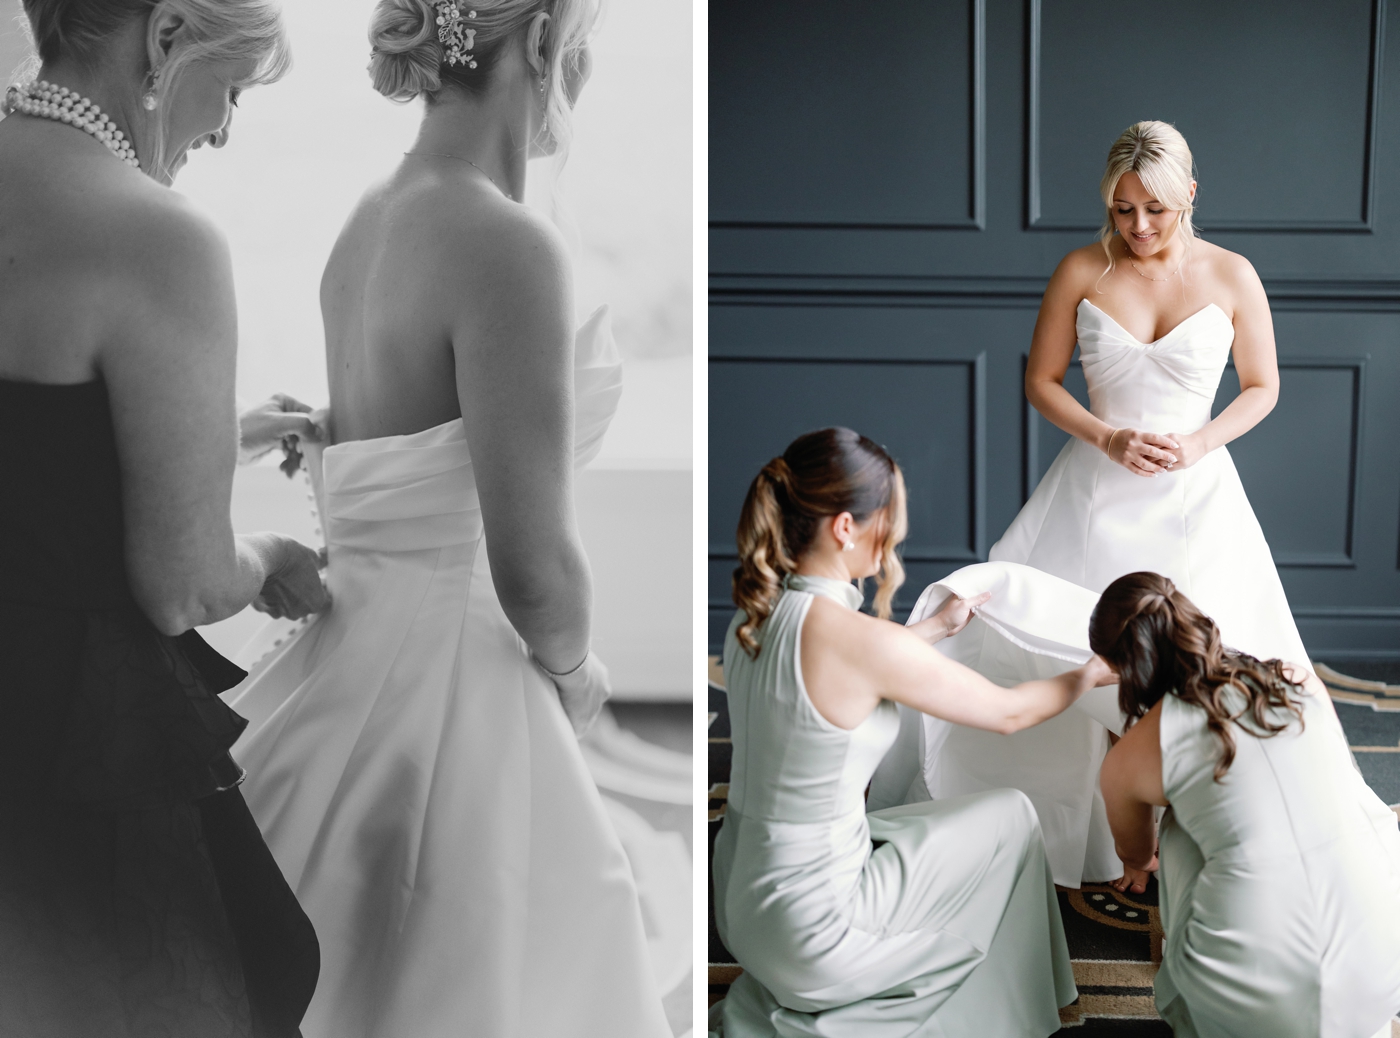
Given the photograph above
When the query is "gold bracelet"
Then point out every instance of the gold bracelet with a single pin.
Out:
(572, 670)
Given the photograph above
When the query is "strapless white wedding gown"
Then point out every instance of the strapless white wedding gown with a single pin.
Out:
(418, 782)
(1089, 522)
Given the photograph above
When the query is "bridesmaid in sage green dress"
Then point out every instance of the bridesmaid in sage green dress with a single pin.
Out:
(931, 918)
(1280, 868)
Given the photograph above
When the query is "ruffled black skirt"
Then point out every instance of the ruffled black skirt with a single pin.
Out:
(137, 897)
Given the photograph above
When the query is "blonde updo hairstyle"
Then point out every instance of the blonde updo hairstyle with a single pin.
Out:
(1158, 154)
(406, 58)
(214, 30)
(819, 476)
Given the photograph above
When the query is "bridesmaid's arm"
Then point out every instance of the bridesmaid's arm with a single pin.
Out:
(1131, 780)
(851, 661)
(1052, 347)
(1256, 363)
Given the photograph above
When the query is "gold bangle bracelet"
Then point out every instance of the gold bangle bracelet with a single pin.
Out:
(564, 674)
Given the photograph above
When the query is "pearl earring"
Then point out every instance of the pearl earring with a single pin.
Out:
(148, 99)
(848, 545)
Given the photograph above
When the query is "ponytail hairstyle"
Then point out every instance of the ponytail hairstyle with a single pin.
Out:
(215, 30)
(1160, 643)
(819, 476)
(1159, 155)
(407, 59)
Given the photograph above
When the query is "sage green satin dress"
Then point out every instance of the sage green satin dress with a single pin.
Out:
(930, 919)
(1280, 883)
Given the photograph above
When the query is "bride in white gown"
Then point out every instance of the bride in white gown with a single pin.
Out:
(413, 753)
(1146, 483)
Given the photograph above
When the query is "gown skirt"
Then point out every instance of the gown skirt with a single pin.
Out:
(1090, 521)
(418, 781)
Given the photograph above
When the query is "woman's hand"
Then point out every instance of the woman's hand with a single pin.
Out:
(293, 588)
(1135, 880)
(583, 692)
(952, 617)
(282, 421)
(1191, 448)
(1142, 453)
(1099, 673)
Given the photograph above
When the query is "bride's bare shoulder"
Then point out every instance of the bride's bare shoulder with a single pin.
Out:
(1221, 263)
(1075, 276)
(476, 236)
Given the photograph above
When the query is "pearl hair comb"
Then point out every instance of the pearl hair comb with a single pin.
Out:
(456, 39)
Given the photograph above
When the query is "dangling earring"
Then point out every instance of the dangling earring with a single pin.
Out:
(148, 99)
(544, 108)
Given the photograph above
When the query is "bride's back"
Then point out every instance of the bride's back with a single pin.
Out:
(406, 276)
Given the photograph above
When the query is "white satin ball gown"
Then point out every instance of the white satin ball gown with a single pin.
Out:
(1091, 521)
(416, 778)
(931, 919)
(1035, 626)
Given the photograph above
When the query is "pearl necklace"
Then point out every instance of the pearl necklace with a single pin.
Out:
(43, 100)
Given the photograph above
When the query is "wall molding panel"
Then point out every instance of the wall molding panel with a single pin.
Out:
(911, 311)
(1034, 130)
(975, 172)
(923, 543)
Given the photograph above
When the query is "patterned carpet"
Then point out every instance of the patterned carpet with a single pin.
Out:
(1115, 940)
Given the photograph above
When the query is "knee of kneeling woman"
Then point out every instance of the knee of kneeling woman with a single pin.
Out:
(1020, 824)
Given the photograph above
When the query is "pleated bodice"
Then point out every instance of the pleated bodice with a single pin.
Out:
(418, 490)
(1166, 385)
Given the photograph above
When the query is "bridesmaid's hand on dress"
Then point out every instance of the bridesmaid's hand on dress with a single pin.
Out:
(1099, 673)
(583, 692)
(952, 617)
(1134, 881)
(1142, 453)
(294, 588)
(282, 421)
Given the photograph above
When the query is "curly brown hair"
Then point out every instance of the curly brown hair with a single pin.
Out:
(820, 475)
(1160, 643)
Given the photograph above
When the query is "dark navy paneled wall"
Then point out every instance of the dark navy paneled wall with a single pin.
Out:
(892, 184)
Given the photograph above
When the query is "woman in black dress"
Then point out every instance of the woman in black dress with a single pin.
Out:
(136, 895)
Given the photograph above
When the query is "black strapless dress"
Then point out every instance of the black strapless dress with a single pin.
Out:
(137, 897)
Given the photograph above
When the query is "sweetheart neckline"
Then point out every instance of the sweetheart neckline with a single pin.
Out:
(1159, 338)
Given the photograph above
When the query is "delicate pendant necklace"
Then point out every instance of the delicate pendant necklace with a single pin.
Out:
(1149, 276)
(43, 100)
(469, 162)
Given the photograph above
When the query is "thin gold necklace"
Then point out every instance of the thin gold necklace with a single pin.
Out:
(1149, 277)
(469, 162)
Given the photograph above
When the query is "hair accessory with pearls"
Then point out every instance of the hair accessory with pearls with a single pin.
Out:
(43, 100)
(456, 39)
